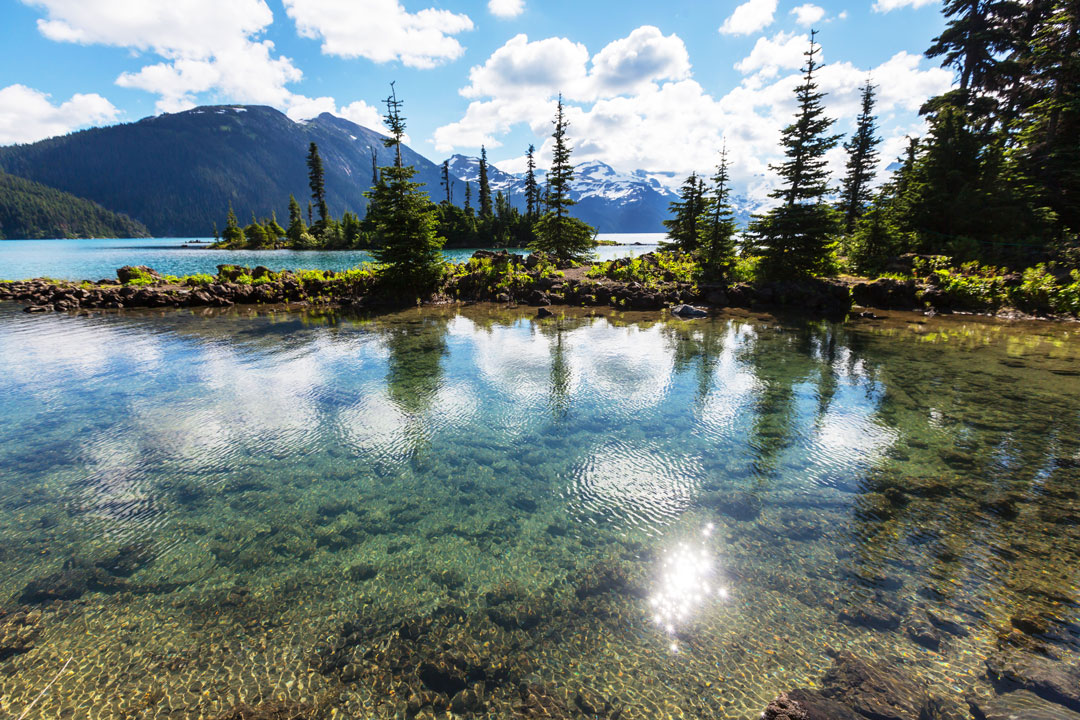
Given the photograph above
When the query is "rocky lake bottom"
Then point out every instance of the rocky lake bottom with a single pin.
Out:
(471, 512)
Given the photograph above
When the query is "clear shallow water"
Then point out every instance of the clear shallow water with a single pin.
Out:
(570, 503)
(99, 259)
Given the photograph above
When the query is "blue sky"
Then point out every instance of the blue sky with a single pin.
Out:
(652, 86)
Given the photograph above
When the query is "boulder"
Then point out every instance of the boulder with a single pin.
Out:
(1049, 679)
(543, 312)
(130, 272)
(738, 504)
(688, 312)
(874, 691)
(807, 705)
(1021, 705)
(886, 293)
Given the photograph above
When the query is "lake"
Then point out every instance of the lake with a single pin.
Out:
(99, 259)
(677, 519)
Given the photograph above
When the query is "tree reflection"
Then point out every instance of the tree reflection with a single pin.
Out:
(414, 366)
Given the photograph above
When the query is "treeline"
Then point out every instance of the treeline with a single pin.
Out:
(32, 210)
(996, 179)
(404, 230)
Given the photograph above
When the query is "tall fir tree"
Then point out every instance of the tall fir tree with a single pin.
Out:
(861, 163)
(468, 199)
(447, 187)
(559, 234)
(296, 229)
(796, 237)
(532, 190)
(716, 226)
(233, 232)
(682, 226)
(485, 186)
(317, 182)
(405, 219)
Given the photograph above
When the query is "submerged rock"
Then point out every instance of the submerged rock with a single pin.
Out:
(1049, 679)
(807, 705)
(876, 692)
(870, 614)
(269, 711)
(688, 312)
(738, 505)
(18, 631)
(1021, 705)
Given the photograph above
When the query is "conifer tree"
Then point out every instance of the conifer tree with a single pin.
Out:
(404, 217)
(296, 229)
(716, 226)
(232, 233)
(682, 227)
(468, 199)
(796, 237)
(317, 181)
(446, 182)
(862, 160)
(568, 239)
(485, 186)
(374, 168)
(532, 190)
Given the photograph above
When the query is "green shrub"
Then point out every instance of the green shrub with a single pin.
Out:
(198, 280)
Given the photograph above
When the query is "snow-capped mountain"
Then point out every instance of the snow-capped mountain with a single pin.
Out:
(607, 199)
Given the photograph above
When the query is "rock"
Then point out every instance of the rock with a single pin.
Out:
(1049, 679)
(738, 504)
(442, 675)
(1021, 705)
(37, 308)
(593, 705)
(688, 312)
(601, 578)
(784, 708)
(127, 559)
(544, 313)
(129, 272)
(268, 711)
(537, 702)
(71, 583)
(470, 700)
(869, 614)
(18, 631)
(922, 632)
(818, 707)
(874, 691)
(886, 293)
(362, 571)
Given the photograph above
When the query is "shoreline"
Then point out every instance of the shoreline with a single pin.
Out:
(498, 277)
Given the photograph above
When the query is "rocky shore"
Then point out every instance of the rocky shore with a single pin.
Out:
(141, 287)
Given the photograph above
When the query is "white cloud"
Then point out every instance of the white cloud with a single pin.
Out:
(750, 17)
(884, 6)
(380, 30)
(808, 14)
(670, 125)
(27, 115)
(643, 57)
(207, 47)
(506, 8)
(784, 51)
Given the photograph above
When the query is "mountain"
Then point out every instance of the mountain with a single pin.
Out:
(178, 172)
(32, 210)
(606, 199)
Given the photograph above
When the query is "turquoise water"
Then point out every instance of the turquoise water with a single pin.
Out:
(99, 259)
(254, 506)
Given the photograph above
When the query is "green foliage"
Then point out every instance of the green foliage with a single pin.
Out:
(197, 280)
(862, 159)
(686, 213)
(878, 238)
(651, 269)
(716, 227)
(31, 210)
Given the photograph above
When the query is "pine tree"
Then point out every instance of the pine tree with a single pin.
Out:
(861, 163)
(532, 190)
(682, 227)
(296, 229)
(317, 181)
(374, 168)
(274, 231)
(404, 217)
(485, 186)
(468, 199)
(232, 233)
(446, 182)
(796, 237)
(568, 239)
(716, 226)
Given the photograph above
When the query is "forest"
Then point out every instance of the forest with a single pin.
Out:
(30, 210)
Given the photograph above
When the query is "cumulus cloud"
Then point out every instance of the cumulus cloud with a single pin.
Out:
(206, 47)
(884, 6)
(381, 30)
(808, 14)
(27, 115)
(506, 8)
(784, 51)
(670, 125)
(750, 17)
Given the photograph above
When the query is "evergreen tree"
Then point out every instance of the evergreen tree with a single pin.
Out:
(716, 226)
(374, 168)
(485, 186)
(796, 237)
(404, 217)
(468, 199)
(317, 181)
(682, 227)
(862, 159)
(296, 228)
(273, 230)
(532, 190)
(568, 239)
(446, 182)
(232, 233)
